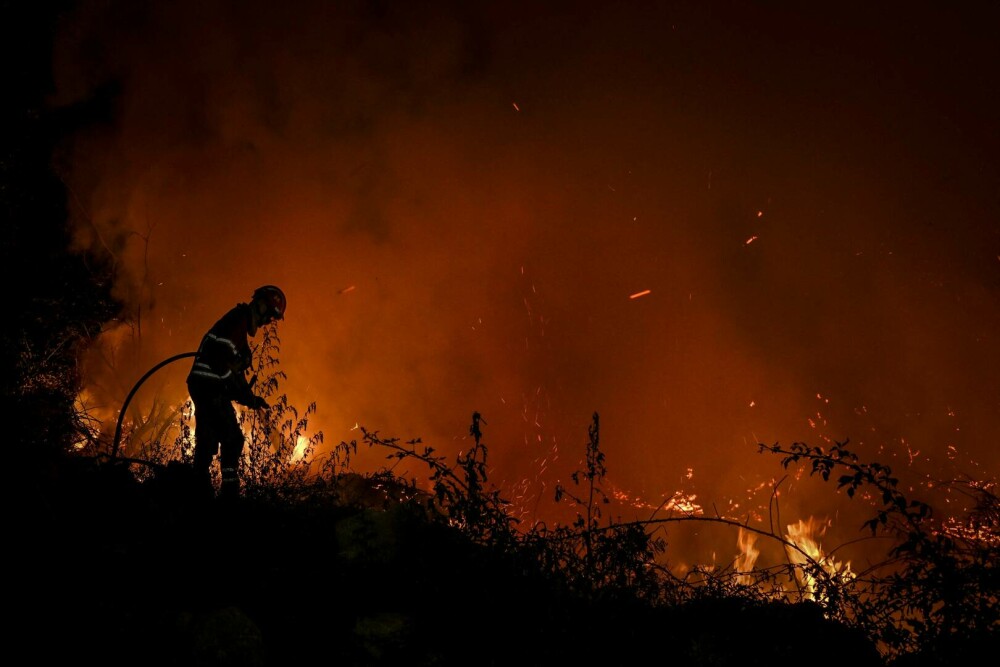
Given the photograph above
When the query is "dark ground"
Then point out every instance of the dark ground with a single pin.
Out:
(117, 572)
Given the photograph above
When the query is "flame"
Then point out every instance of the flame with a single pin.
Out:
(300, 452)
(747, 557)
(804, 534)
(301, 447)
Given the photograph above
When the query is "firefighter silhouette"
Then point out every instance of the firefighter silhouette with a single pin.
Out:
(218, 378)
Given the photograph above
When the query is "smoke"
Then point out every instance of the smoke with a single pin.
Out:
(459, 200)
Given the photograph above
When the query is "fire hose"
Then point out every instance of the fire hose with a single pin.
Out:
(128, 399)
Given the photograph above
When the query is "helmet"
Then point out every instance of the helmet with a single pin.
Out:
(273, 298)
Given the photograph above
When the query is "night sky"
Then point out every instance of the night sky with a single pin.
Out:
(713, 223)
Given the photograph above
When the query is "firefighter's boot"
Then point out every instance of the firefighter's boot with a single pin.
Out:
(230, 488)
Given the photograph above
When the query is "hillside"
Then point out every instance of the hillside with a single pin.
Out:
(122, 572)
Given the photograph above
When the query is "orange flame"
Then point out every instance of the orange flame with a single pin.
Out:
(803, 534)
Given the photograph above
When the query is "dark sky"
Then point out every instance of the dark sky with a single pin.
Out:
(460, 198)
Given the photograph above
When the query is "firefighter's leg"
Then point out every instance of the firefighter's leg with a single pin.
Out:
(232, 449)
(207, 433)
(206, 445)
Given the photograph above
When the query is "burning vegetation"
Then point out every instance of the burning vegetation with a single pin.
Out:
(926, 592)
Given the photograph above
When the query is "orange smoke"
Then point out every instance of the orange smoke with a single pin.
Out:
(445, 250)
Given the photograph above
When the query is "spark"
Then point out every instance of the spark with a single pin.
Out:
(751, 239)
(516, 108)
(638, 294)
(346, 290)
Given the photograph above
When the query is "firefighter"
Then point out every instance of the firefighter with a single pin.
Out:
(218, 378)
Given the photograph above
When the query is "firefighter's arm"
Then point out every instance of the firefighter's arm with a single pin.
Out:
(244, 390)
